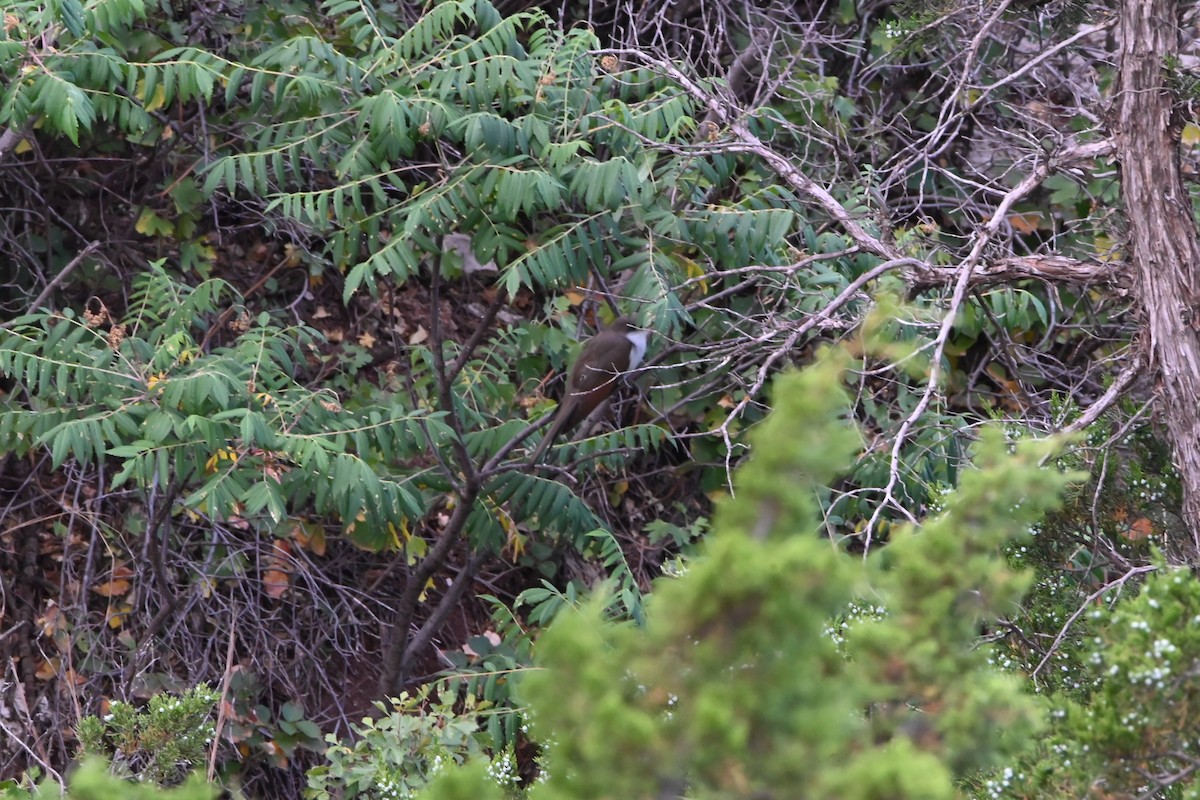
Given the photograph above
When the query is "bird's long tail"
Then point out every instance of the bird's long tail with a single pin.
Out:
(556, 427)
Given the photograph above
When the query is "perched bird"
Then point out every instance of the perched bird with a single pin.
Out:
(603, 360)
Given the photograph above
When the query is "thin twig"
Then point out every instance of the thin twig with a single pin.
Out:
(60, 277)
(226, 680)
(1091, 598)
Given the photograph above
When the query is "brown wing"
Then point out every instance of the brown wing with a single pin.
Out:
(588, 387)
(584, 379)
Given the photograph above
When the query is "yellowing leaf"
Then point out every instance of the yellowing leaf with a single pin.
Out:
(515, 546)
(116, 616)
(394, 535)
(692, 269)
(157, 101)
(514, 539)
(1191, 134)
(214, 461)
(111, 588)
(1106, 251)
(151, 224)
(415, 549)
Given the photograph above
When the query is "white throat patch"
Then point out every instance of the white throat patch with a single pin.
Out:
(638, 339)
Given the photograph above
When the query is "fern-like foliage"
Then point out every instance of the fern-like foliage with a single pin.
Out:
(234, 432)
(85, 77)
(506, 129)
(230, 428)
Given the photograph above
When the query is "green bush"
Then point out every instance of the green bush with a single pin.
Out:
(160, 744)
(735, 686)
(398, 753)
(91, 780)
(1129, 731)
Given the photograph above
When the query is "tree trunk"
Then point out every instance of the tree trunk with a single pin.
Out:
(1162, 242)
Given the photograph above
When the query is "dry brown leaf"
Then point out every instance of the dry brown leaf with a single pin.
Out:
(1139, 529)
(46, 670)
(51, 620)
(276, 582)
(275, 750)
(310, 536)
(277, 577)
(1026, 223)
